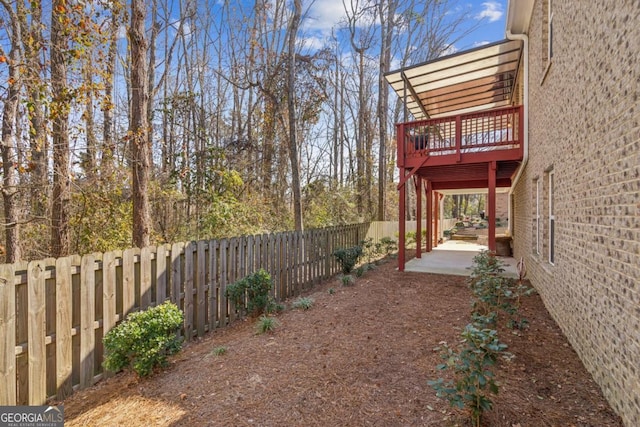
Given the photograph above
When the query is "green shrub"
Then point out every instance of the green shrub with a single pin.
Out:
(348, 258)
(388, 245)
(474, 380)
(304, 303)
(144, 340)
(266, 324)
(347, 280)
(251, 293)
(219, 351)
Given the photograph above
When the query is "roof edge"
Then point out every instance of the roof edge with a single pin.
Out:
(519, 16)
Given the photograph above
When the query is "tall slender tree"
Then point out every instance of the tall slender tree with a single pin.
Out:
(291, 103)
(60, 104)
(140, 149)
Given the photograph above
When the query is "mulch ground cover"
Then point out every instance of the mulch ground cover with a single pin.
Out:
(360, 356)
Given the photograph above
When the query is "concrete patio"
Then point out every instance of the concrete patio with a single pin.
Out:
(455, 257)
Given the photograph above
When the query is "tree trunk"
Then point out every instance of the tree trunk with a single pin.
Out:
(291, 103)
(60, 231)
(9, 172)
(138, 127)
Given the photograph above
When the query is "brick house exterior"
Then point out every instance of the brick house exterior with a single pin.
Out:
(583, 179)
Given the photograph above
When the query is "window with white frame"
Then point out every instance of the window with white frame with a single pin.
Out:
(552, 218)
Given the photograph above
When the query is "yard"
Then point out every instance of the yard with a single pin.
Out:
(361, 355)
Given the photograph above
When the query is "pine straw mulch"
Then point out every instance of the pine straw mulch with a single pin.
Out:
(361, 356)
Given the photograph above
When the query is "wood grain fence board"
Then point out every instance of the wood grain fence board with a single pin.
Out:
(161, 274)
(242, 257)
(277, 241)
(36, 333)
(201, 302)
(145, 278)
(176, 274)
(213, 284)
(87, 316)
(250, 269)
(109, 307)
(188, 289)
(231, 273)
(128, 281)
(64, 325)
(7, 335)
(223, 283)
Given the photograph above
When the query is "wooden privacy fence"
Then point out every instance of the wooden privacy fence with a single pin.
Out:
(54, 313)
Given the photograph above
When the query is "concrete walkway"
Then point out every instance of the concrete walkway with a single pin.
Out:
(455, 257)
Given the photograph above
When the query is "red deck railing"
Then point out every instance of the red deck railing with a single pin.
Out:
(478, 132)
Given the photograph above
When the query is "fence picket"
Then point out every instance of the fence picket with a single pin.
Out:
(87, 316)
(223, 283)
(128, 280)
(201, 303)
(8, 335)
(188, 290)
(109, 308)
(213, 284)
(145, 278)
(64, 318)
(161, 274)
(36, 333)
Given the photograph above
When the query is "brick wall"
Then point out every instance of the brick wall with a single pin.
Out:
(584, 118)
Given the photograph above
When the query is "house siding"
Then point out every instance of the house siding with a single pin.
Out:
(584, 125)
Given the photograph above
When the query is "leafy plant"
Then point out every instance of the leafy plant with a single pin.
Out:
(144, 340)
(348, 258)
(252, 293)
(388, 245)
(331, 291)
(219, 351)
(494, 292)
(304, 303)
(347, 280)
(266, 324)
(474, 381)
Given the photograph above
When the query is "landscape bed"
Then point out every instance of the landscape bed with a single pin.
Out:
(360, 355)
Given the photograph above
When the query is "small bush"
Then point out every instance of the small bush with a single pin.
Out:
(144, 340)
(474, 380)
(304, 303)
(347, 280)
(219, 351)
(388, 245)
(266, 324)
(348, 258)
(252, 293)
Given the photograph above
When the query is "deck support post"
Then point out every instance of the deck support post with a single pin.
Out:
(436, 211)
(401, 221)
(491, 202)
(418, 182)
(429, 209)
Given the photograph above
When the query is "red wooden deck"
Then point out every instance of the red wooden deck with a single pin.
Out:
(479, 150)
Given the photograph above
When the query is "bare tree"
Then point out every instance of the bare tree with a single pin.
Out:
(138, 126)
(60, 231)
(291, 103)
(9, 172)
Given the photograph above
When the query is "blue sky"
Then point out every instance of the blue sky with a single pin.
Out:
(323, 15)
(493, 14)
